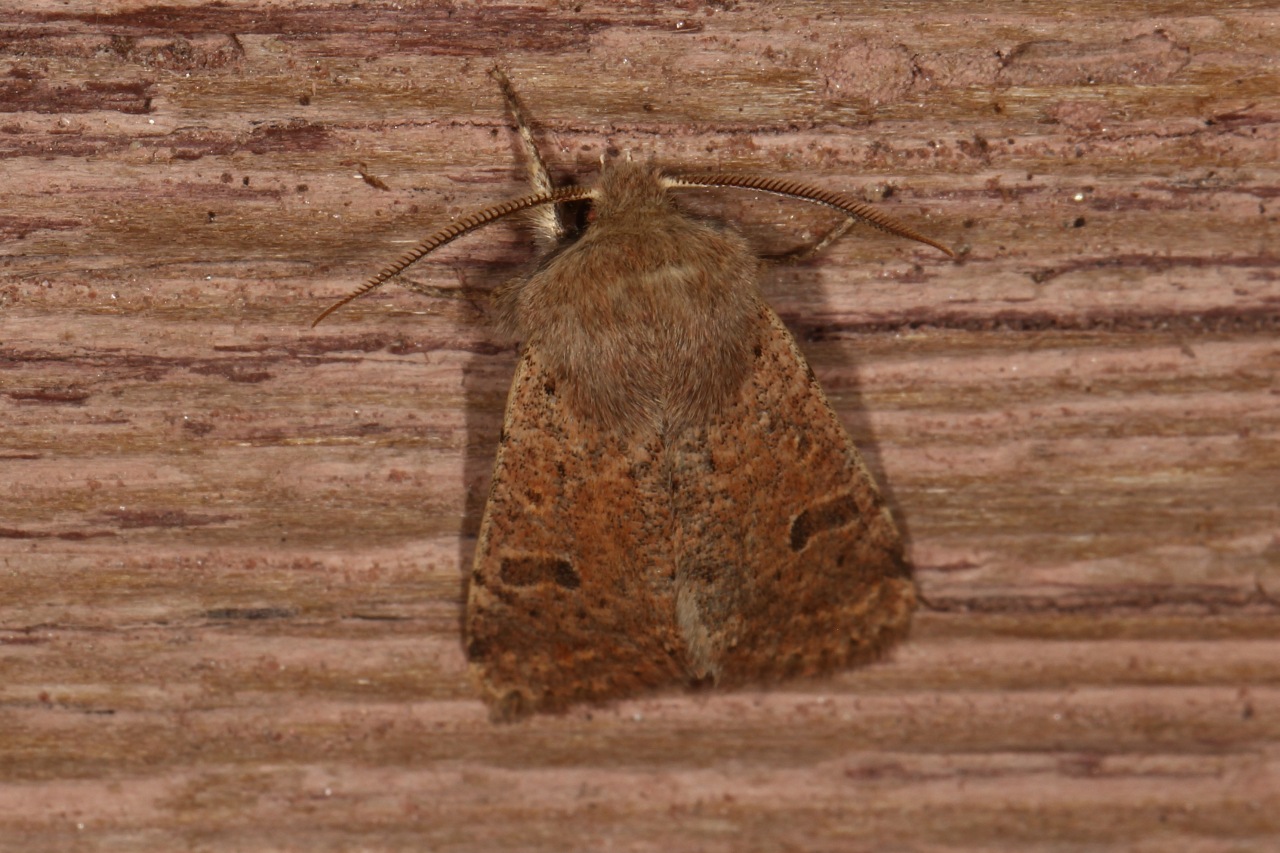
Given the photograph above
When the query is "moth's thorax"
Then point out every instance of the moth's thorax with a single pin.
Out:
(649, 319)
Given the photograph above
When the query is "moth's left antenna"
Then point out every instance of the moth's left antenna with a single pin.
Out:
(455, 230)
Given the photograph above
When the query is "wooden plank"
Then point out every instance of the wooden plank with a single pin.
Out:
(232, 546)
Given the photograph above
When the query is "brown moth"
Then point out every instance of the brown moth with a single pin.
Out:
(673, 501)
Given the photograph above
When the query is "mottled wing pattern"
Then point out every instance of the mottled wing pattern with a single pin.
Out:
(571, 596)
(789, 563)
(748, 550)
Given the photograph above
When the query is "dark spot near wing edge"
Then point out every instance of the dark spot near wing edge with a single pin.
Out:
(535, 569)
(828, 515)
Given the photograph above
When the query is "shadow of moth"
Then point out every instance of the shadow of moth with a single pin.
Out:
(673, 500)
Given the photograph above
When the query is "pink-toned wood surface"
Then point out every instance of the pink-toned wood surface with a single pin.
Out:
(232, 546)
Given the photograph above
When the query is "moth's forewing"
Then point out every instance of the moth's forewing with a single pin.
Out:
(786, 547)
(571, 596)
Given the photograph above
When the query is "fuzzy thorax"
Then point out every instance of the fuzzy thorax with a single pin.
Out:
(649, 319)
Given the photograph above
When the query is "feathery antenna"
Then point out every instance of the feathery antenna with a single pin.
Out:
(791, 189)
(455, 230)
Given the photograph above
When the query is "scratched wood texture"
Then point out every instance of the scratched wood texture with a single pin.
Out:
(232, 546)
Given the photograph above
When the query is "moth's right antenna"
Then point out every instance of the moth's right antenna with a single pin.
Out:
(455, 230)
(851, 208)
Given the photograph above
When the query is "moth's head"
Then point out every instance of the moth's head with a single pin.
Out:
(630, 189)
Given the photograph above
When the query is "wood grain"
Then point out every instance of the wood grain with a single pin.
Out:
(231, 546)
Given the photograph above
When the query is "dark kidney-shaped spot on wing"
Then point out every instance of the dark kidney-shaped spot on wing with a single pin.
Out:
(539, 568)
(827, 515)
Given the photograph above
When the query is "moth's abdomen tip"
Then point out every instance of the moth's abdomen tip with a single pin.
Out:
(511, 707)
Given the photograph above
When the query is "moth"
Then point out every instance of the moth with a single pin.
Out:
(673, 501)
